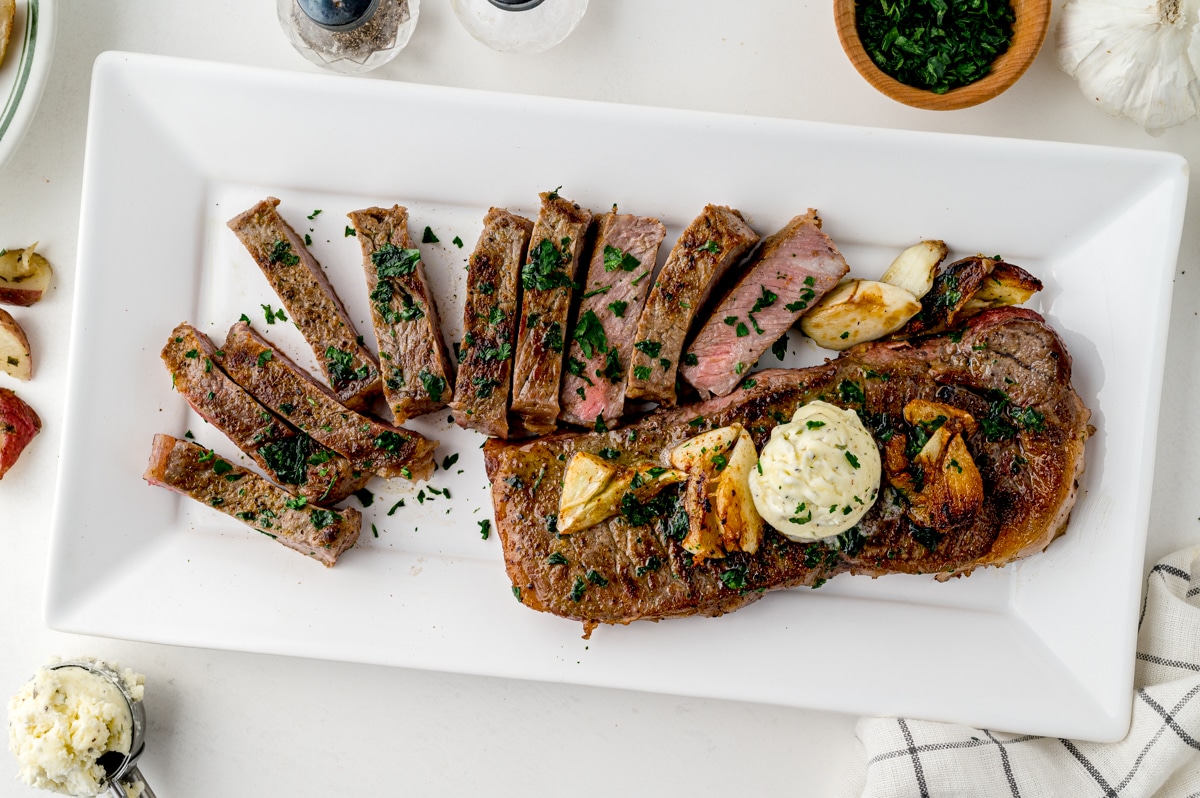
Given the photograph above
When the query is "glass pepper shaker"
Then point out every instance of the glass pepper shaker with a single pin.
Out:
(519, 26)
(348, 36)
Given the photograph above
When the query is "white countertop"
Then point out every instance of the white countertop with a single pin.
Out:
(240, 724)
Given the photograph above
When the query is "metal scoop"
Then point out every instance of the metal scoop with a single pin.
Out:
(118, 766)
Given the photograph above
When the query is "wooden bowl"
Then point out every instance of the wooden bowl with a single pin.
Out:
(1032, 18)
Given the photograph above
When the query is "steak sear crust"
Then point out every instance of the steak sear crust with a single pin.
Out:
(289, 457)
(711, 244)
(303, 288)
(548, 279)
(199, 474)
(490, 324)
(1008, 368)
(414, 367)
(275, 381)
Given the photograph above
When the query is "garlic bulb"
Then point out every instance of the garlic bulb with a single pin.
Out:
(1134, 58)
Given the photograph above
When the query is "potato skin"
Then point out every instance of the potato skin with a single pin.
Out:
(15, 357)
(18, 426)
(24, 276)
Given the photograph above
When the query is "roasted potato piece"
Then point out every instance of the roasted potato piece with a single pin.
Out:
(914, 268)
(952, 289)
(8, 13)
(1006, 285)
(858, 311)
(24, 276)
(14, 348)
(18, 424)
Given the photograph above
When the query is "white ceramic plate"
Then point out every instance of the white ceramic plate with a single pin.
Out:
(175, 148)
(23, 71)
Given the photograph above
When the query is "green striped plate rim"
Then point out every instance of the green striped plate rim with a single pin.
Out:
(24, 67)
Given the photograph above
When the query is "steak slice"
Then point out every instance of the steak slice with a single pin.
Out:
(789, 273)
(199, 474)
(714, 241)
(548, 279)
(291, 458)
(490, 324)
(1029, 450)
(274, 380)
(304, 290)
(414, 367)
(615, 292)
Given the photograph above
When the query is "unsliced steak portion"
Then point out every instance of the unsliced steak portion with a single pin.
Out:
(714, 241)
(1007, 368)
(789, 273)
(548, 279)
(289, 457)
(313, 305)
(490, 324)
(274, 380)
(614, 293)
(415, 369)
(199, 474)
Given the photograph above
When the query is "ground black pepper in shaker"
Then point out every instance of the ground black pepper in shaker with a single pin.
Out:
(348, 35)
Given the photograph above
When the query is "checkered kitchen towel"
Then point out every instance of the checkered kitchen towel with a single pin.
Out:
(1159, 757)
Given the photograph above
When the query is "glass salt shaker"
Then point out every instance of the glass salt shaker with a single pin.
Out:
(348, 36)
(519, 26)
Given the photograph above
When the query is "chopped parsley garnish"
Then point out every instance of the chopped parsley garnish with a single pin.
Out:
(271, 315)
(389, 441)
(604, 289)
(392, 261)
(649, 348)
(339, 363)
(458, 242)
(484, 387)
(264, 357)
(485, 528)
(852, 460)
(365, 497)
(779, 348)
(709, 246)
(734, 578)
(741, 330)
(297, 503)
(433, 384)
(765, 301)
(557, 558)
(641, 372)
(281, 252)
(720, 461)
(609, 454)
(851, 392)
(612, 370)
(639, 278)
(350, 231)
(690, 359)
(191, 354)
(315, 214)
(618, 308)
(552, 338)
(589, 332)
(576, 366)
(731, 320)
(323, 518)
(814, 424)
(428, 237)
(616, 259)
(544, 269)
(596, 578)
(578, 590)
(496, 353)
(221, 467)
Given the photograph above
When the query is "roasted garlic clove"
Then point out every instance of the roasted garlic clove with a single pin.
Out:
(914, 268)
(703, 539)
(707, 453)
(942, 484)
(584, 503)
(1006, 285)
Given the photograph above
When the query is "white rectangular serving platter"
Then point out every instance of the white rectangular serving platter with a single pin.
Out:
(175, 148)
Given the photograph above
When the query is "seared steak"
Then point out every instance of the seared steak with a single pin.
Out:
(305, 291)
(277, 382)
(490, 324)
(1007, 368)
(614, 294)
(291, 458)
(199, 474)
(415, 369)
(789, 273)
(714, 241)
(548, 279)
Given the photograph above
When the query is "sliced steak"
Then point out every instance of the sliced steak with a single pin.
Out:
(289, 457)
(789, 273)
(274, 380)
(614, 293)
(1029, 450)
(199, 474)
(548, 279)
(313, 305)
(415, 368)
(490, 324)
(714, 241)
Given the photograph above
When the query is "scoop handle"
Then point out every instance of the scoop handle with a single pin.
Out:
(117, 790)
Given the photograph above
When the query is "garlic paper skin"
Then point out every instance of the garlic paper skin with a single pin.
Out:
(1134, 58)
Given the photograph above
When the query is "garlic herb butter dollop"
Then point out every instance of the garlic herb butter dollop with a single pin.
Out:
(818, 475)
